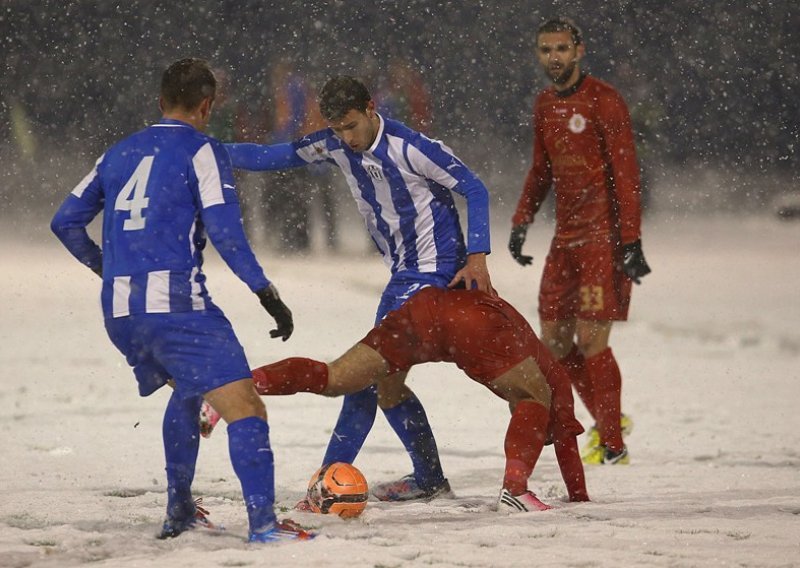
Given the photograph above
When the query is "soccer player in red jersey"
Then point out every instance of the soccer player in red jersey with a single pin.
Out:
(494, 345)
(584, 148)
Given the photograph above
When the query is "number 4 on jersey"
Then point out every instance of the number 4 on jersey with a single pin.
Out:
(131, 196)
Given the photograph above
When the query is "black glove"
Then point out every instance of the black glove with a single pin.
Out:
(633, 263)
(518, 234)
(275, 307)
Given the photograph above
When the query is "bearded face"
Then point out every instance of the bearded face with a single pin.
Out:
(559, 57)
(560, 73)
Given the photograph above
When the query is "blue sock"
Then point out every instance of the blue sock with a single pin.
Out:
(409, 421)
(181, 434)
(355, 422)
(251, 456)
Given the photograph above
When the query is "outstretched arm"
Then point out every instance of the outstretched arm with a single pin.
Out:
(264, 157)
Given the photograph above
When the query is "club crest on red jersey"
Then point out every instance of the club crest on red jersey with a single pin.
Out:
(577, 123)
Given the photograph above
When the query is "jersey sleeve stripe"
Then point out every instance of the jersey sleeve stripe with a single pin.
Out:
(86, 181)
(208, 178)
(316, 147)
(425, 163)
(312, 151)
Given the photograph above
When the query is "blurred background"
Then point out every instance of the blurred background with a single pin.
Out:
(713, 90)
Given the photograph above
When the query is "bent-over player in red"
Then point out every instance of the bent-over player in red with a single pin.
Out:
(494, 345)
(584, 149)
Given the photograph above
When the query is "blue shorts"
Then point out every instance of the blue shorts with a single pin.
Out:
(403, 285)
(197, 349)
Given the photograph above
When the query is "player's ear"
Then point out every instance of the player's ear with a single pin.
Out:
(581, 51)
(205, 107)
(161, 104)
(370, 110)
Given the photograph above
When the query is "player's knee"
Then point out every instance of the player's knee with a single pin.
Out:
(258, 408)
(590, 345)
(592, 337)
(245, 407)
(392, 394)
(558, 345)
(538, 398)
(536, 391)
(539, 393)
(585, 339)
(237, 400)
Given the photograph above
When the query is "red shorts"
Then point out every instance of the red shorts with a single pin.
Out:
(583, 282)
(483, 335)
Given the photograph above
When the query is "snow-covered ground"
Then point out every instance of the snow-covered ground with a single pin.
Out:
(710, 368)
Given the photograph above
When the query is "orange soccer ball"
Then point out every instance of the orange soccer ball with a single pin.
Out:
(338, 489)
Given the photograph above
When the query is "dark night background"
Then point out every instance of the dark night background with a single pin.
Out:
(714, 90)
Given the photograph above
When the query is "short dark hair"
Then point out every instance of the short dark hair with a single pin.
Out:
(187, 82)
(561, 24)
(340, 95)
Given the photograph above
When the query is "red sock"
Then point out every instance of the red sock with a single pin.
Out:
(575, 365)
(607, 381)
(291, 376)
(569, 462)
(524, 442)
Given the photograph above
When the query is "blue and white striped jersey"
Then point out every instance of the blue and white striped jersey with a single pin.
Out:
(161, 191)
(401, 185)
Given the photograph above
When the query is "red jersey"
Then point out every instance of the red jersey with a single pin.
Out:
(584, 148)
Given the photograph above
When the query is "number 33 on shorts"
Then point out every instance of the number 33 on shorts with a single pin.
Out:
(591, 298)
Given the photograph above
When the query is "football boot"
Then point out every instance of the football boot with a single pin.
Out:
(605, 456)
(591, 449)
(199, 520)
(280, 531)
(524, 503)
(407, 489)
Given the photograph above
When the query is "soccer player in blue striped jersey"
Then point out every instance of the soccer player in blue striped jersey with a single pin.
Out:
(161, 191)
(402, 182)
